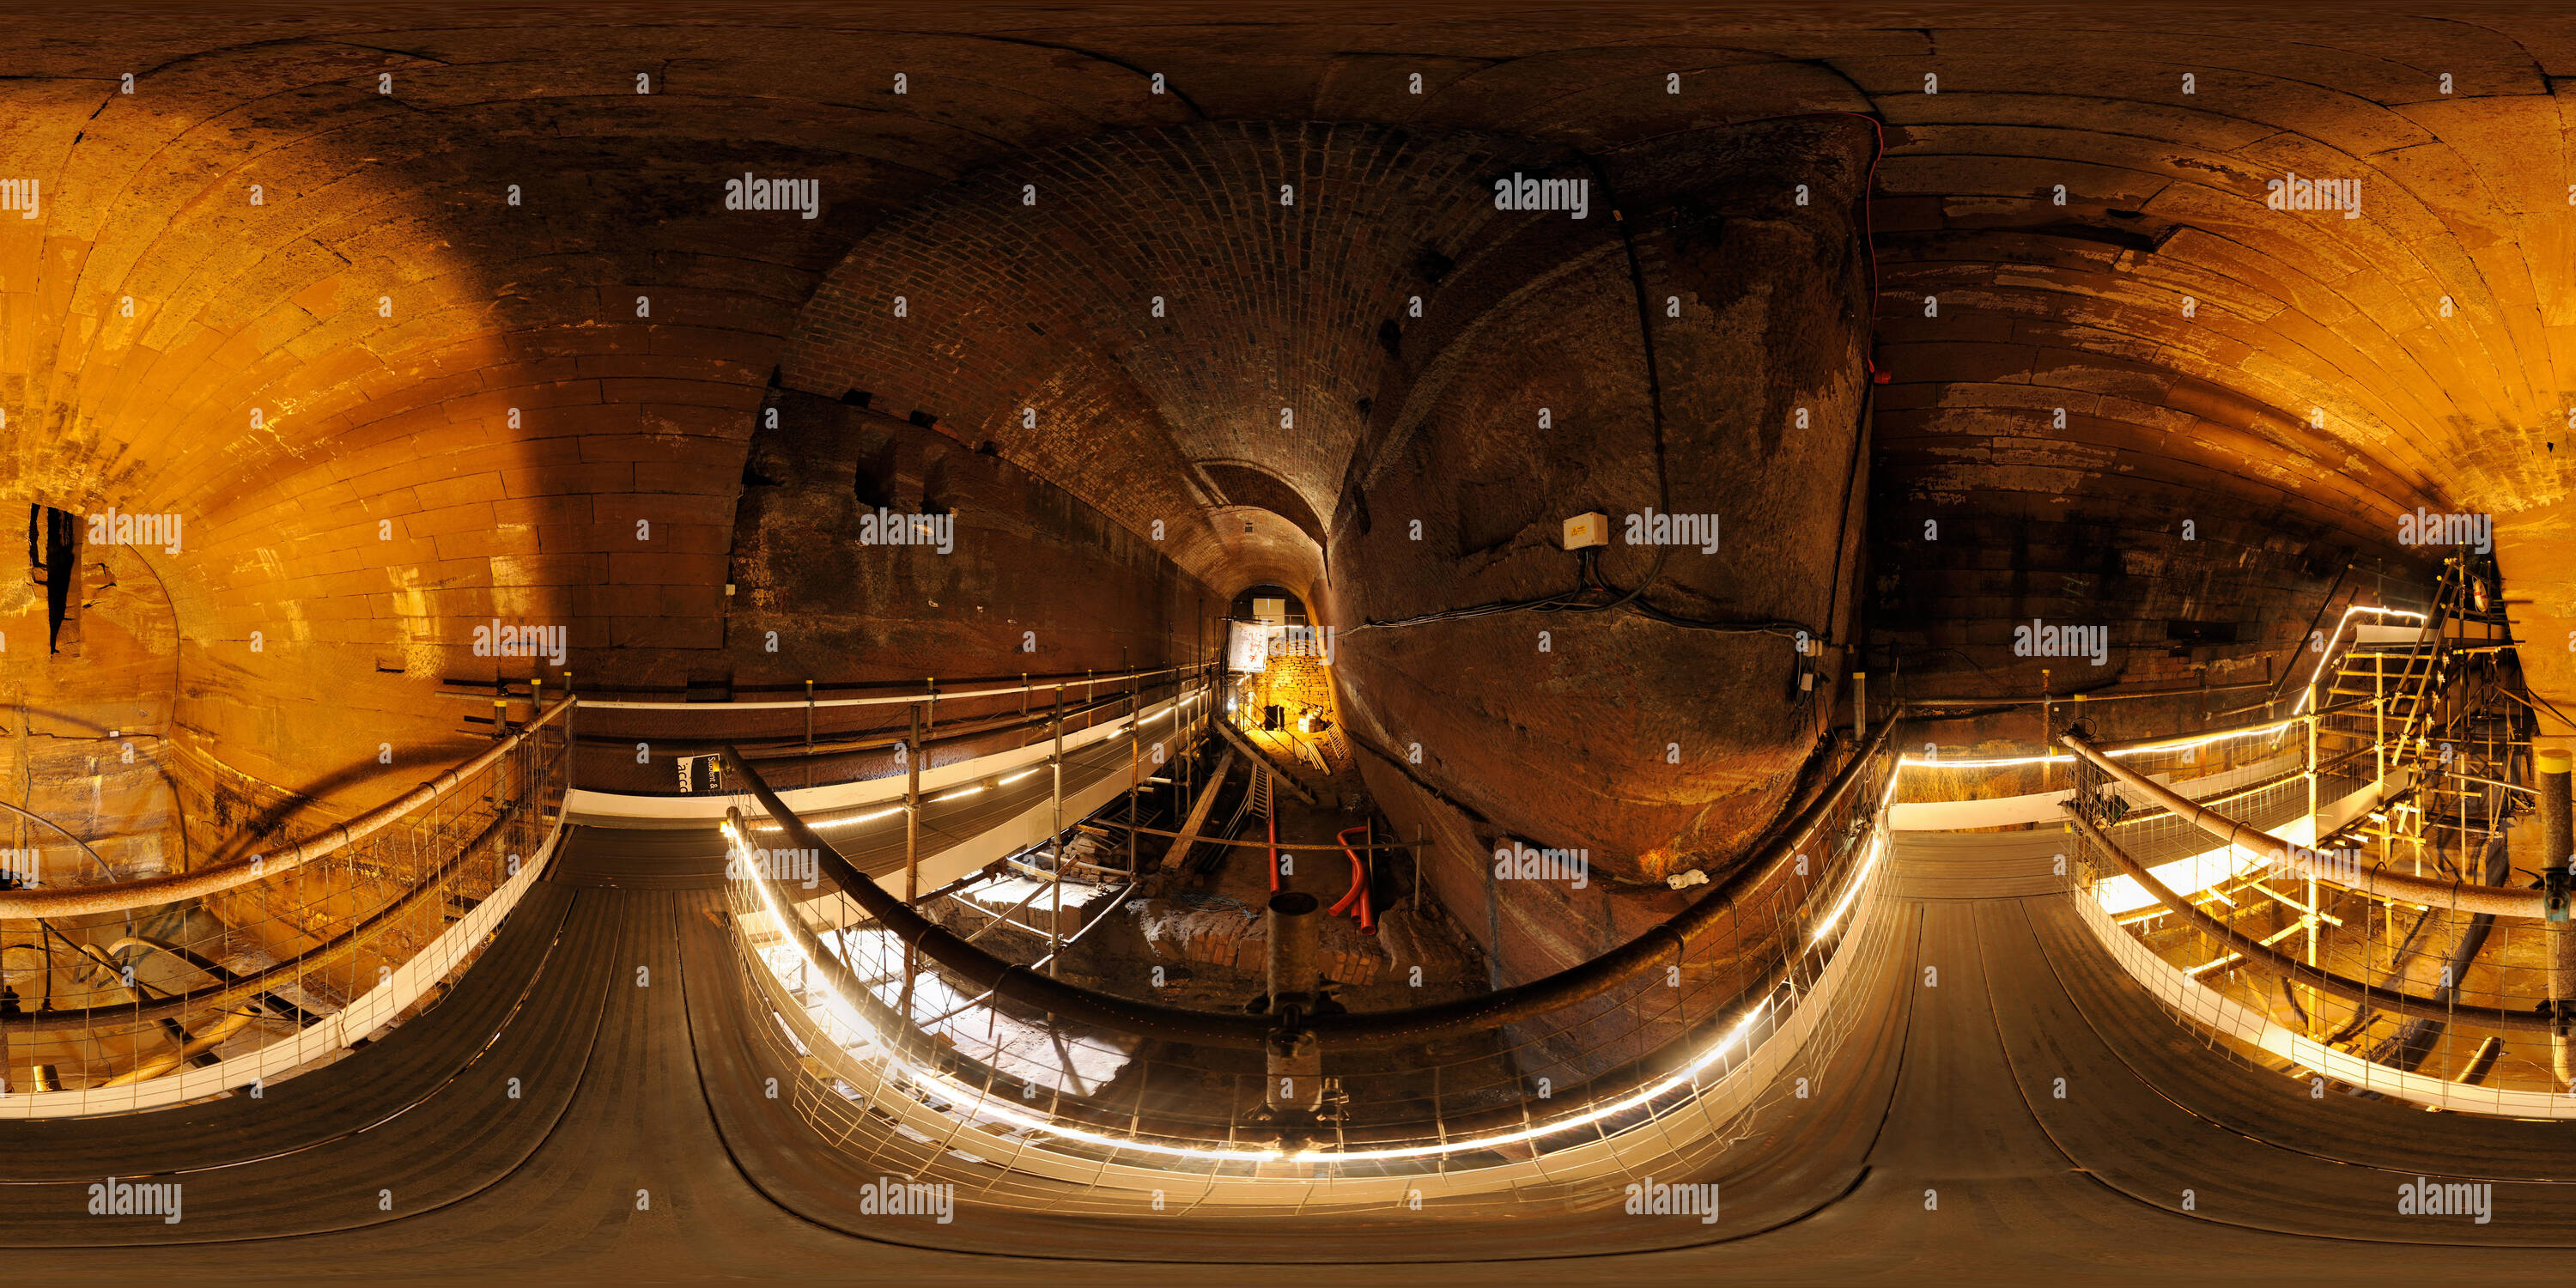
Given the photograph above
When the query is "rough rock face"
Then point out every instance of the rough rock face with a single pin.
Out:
(1528, 395)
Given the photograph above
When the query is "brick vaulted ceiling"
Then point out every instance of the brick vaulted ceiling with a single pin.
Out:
(385, 307)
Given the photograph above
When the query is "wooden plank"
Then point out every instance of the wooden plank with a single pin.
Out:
(1199, 811)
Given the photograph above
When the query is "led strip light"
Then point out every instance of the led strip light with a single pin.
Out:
(1002, 1109)
(985, 1103)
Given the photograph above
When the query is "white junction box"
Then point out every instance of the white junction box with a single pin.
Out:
(1587, 530)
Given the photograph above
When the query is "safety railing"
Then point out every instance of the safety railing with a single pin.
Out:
(920, 1053)
(2420, 967)
(135, 994)
(836, 742)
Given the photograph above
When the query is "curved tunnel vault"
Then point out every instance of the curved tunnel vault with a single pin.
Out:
(1881, 350)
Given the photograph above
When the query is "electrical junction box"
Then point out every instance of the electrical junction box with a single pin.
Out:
(1587, 530)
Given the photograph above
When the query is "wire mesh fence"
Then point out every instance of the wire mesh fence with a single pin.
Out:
(162, 1002)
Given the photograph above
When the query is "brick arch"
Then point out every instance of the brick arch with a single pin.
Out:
(1271, 341)
(1250, 485)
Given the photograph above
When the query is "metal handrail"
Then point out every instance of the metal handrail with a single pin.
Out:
(1372, 1028)
(801, 704)
(2254, 950)
(149, 892)
(2500, 901)
(233, 987)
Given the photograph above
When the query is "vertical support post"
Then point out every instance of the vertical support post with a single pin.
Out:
(1860, 708)
(533, 792)
(1135, 751)
(2047, 733)
(2314, 717)
(1055, 922)
(911, 845)
(2558, 852)
(2379, 740)
(2314, 823)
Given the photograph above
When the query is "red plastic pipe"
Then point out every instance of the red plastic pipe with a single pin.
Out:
(1357, 882)
(1274, 846)
(1359, 892)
